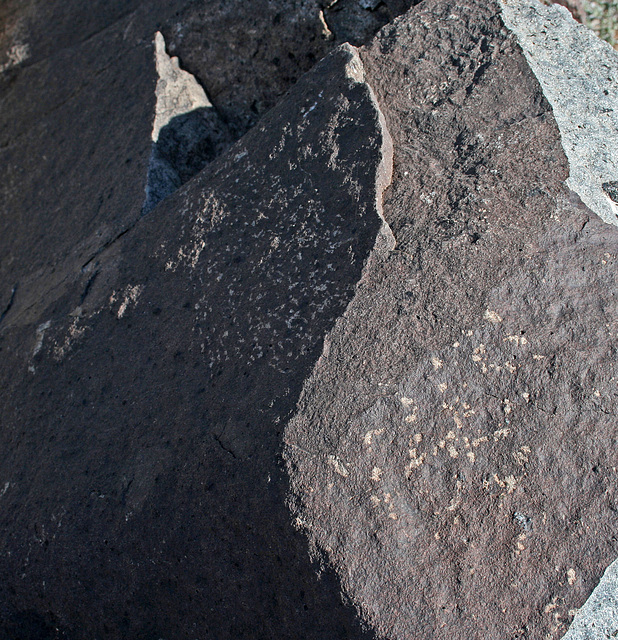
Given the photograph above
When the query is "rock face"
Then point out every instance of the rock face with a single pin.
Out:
(151, 406)
(453, 454)
(598, 618)
(390, 307)
(577, 72)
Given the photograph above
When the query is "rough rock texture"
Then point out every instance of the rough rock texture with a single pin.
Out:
(142, 493)
(454, 453)
(578, 73)
(76, 163)
(598, 618)
(248, 54)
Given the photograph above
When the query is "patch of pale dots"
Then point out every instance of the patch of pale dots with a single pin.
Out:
(78, 327)
(454, 443)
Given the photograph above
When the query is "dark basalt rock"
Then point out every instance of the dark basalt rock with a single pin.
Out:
(77, 104)
(142, 490)
(439, 376)
(454, 454)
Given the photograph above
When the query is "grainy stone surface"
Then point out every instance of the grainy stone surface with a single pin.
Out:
(453, 455)
(75, 164)
(141, 486)
(579, 76)
(248, 54)
(598, 618)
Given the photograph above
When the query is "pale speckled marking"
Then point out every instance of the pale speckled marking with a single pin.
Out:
(40, 335)
(369, 436)
(73, 334)
(492, 316)
(130, 296)
(338, 466)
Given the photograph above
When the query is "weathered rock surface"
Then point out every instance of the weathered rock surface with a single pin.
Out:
(444, 381)
(598, 618)
(143, 495)
(248, 54)
(78, 164)
(577, 71)
(454, 454)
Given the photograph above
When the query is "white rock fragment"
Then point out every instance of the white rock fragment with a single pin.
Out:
(177, 91)
(579, 76)
(598, 618)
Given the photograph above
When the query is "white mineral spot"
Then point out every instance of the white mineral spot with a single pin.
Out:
(131, 294)
(501, 433)
(492, 316)
(518, 340)
(571, 576)
(16, 54)
(338, 466)
(369, 436)
(437, 363)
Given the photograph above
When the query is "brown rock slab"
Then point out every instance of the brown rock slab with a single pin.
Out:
(454, 451)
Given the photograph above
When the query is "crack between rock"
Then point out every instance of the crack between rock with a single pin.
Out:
(108, 244)
(9, 304)
(218, 440)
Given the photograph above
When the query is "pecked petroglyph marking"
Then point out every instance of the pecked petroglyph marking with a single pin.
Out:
(129, 297)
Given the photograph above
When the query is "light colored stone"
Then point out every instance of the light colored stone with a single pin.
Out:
(579, 76)
(178, 92)
(598, 618)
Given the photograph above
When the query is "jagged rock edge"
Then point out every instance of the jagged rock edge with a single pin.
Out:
(385, 240)
(581, 179)
(384, 244)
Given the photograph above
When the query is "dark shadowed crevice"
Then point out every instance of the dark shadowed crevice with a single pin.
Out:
(185, 146)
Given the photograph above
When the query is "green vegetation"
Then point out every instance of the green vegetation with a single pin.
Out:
(602, 17)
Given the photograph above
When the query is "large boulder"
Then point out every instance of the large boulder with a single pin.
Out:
(143, 494)
(354, 379)
(453, 455)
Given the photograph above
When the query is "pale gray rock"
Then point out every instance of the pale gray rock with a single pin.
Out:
(187, 132)
(178, 92)
(579, 76)
(598, 618)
